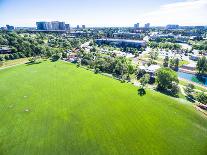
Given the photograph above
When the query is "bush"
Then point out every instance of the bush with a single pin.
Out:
(96, 70)
(1, 58)
(6, 57)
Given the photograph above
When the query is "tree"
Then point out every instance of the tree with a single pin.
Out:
(166, 79)
(56, 56)
(174, 64)
(64, 55)
(189, 90)
(1, 58)
(202, 65)
(201, 97)
(174, 89)
(166, 62)
(144, 80)
(153, 56)
(140, 73)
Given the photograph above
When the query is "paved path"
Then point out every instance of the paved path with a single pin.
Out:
(1, 68)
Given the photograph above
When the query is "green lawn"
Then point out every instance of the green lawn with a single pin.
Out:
(57, 108)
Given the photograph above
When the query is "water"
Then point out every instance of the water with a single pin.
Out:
(194, 78)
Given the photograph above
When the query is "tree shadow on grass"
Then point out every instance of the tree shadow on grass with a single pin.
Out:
(141, 92)
(32, 63)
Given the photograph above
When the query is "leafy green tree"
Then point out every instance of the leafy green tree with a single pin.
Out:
(174, 64)
(202, 65)
(1, 58)
(166, 78)
(153, 56)
(166, 62)
(189, 90)
(64, 55)
(174, 90)
(56, 56)
(202, 98)
(144, 80)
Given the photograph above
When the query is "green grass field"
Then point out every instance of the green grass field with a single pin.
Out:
(57, 108)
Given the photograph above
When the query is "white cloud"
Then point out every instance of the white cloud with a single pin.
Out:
(188, 12)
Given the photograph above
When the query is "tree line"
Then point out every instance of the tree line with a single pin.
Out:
(40, 44)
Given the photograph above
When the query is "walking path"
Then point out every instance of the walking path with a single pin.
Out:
(1, 68)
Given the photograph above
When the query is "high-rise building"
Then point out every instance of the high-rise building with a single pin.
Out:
(136, 26)
(62, 26)
(67, 26)
(147, 25)
(44, 25)
(78, 26)
(55, 25)
(83, 26)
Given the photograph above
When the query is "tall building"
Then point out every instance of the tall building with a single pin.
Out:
(147, 25)
(67, 26)
(44, 26)
(55, 25)
(40, 25)
(62, 26)
(83, 26)
(78, 26)
(136, 26)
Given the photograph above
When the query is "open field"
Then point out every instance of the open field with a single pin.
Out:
(57, 108)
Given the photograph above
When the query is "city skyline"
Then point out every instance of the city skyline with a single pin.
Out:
(104, 13)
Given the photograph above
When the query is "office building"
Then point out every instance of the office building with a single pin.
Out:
(67, 26)
(146, 26)
(44, 26)
(136, 26)
(54, 26)
(172, 26)
(122, 43)
(78, 26)
(83, 26)
(62, 26)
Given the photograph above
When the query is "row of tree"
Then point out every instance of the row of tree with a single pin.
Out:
(28, 45)
(171, 63)
(164, 45)
(120, 67)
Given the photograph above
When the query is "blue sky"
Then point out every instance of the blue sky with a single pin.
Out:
(104, 12)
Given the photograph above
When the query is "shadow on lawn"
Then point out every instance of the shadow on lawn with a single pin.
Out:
(141, 92)
(33, 63)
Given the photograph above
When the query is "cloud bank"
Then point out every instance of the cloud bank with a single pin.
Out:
(188, 12)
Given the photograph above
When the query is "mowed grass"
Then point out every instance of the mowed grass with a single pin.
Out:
(57, 108)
